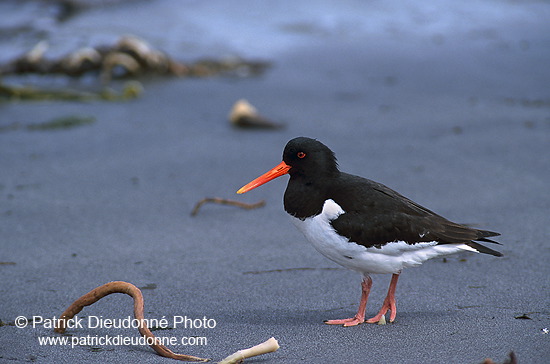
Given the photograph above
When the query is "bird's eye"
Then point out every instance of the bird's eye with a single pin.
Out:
(301, 155)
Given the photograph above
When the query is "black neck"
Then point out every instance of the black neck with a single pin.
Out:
(305, 196)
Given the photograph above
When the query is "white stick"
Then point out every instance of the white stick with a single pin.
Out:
(268, 346)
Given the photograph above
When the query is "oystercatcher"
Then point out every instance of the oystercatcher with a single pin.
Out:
(361, 224)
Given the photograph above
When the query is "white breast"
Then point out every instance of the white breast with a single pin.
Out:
(390, 258)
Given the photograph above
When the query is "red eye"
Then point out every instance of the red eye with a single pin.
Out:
(301, 155)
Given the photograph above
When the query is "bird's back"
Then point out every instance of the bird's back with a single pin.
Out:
(377, 215)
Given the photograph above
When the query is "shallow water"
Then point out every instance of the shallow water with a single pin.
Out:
(424, 58)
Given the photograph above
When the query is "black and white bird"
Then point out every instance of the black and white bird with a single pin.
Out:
(361, 224)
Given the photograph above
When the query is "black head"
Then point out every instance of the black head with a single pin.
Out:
(305, 159)
(309, 158)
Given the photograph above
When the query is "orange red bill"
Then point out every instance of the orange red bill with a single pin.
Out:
(281, 169)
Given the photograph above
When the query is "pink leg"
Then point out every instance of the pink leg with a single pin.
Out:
(389, 302)
(359, 317)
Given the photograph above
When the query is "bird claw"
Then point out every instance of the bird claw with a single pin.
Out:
(380, 319)
(354, 321)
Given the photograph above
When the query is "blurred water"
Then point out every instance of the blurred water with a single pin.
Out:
(431, 58)
(193, 28)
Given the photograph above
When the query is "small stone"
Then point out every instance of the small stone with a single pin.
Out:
(244, 115)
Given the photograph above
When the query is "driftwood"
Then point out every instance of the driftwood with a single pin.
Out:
(131, 290)
(267, 346)
(134, 292)
(223, 201)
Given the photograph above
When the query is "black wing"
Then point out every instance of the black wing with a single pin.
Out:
(382, 216)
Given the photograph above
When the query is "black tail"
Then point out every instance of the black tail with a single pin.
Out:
(482, 236)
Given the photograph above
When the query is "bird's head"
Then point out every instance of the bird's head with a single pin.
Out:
(302, 158)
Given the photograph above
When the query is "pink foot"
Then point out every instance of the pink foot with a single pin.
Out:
(389, 303)
(359, 317)
(354, 321)
(385, 308)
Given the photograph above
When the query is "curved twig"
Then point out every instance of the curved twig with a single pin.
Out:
(223, 201)
(131, 290)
